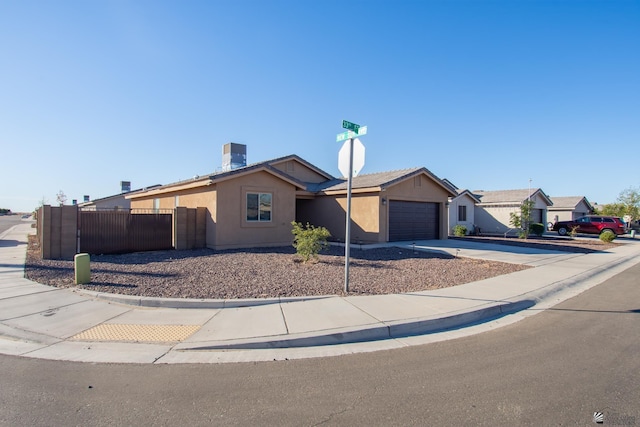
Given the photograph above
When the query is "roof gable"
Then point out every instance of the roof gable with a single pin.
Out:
(468, 194)
(282, 160)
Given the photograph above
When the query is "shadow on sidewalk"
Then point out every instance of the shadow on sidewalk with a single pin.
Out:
(11, 243)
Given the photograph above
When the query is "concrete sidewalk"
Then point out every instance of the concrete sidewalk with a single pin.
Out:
(69, 324)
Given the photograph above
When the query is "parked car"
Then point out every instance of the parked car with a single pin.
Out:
(591, 224)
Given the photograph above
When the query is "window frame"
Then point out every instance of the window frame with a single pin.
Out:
(462, 209)
(259, 214)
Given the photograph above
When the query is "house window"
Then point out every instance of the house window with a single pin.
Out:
(462, 213)
(259, 207)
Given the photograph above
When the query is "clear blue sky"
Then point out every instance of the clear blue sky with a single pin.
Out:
(487, 94)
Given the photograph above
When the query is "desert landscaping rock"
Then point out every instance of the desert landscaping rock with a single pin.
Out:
(266, 273)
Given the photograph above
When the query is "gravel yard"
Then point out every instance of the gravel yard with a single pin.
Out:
(270, 272)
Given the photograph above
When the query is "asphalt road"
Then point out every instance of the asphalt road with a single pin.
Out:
(555, 368)
(8, 221)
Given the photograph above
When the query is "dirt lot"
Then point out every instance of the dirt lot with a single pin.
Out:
(278, 272)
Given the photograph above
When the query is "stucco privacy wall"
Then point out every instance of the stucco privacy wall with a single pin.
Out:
(58, 234)
(57, 231)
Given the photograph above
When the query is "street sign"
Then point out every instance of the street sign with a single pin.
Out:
(350, 126)
(350, 162)
(358, 158)
(350, 134)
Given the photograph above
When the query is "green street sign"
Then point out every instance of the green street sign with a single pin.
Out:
(362, 130)
(350, 126)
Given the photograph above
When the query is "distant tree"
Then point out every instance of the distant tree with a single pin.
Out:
(627, 203)
(630, 198)
(612, 209)
(5, 211)
(61, 197)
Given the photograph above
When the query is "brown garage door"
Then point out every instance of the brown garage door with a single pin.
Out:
(413, 221)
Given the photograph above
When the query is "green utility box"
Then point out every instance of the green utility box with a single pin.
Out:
(82, 268)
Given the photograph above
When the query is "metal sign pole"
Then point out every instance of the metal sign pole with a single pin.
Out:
(347, 238)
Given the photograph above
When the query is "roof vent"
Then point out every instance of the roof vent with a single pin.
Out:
(233, 156)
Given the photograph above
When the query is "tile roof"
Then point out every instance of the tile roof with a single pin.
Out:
(380, 179)
(569, 202)
(507, 196)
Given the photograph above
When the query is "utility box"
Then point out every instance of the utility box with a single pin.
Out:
(82, 269)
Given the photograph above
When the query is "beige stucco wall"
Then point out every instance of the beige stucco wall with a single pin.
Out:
(232, 228)
(330, 212)
(496, 219)
(453, 213)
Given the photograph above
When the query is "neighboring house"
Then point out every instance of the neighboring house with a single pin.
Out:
(254, 205)
(115, 202)
(493, 212)
(569, 208)
(462, 210)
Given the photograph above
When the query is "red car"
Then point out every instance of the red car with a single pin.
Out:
(591, 224)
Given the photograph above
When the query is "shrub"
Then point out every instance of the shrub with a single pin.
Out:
(574, 231)
(459, 231)
(536, 228)
(309, 240)
(607, 236)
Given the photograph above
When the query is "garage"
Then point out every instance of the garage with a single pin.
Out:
(413, 221)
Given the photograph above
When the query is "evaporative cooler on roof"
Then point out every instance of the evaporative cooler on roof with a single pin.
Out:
(233, 156)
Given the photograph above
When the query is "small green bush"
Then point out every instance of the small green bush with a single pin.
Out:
(536, 228)
(459, 231)
(309, 240)
(607, 236)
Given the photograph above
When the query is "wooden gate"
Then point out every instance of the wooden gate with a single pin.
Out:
(123, 231)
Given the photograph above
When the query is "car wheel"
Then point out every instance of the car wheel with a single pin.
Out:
(562, 231)
(604, 230)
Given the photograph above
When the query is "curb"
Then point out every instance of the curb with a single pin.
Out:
(393, 330)
(191, 303)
